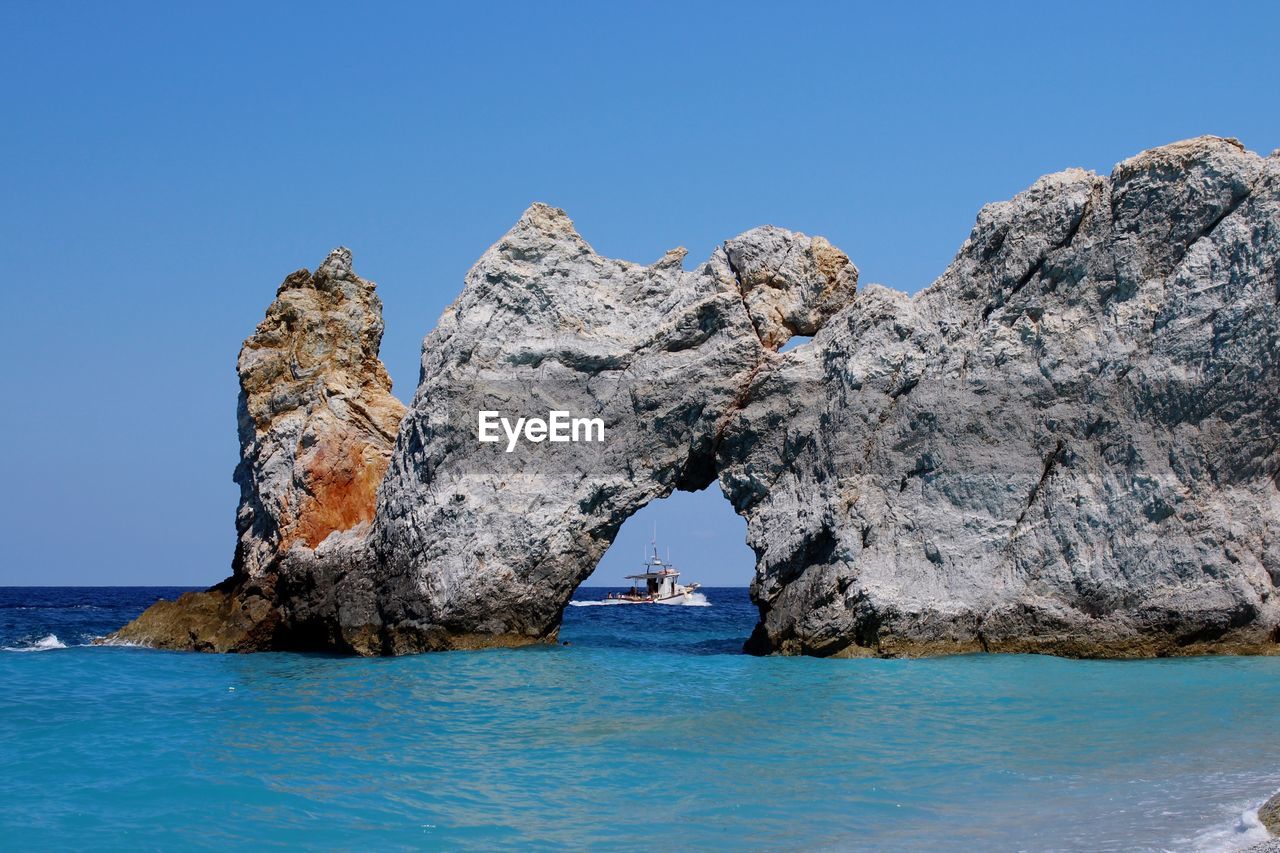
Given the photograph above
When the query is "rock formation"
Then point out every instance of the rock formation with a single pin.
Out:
(1269, 814)
(317, 423)
(1066, 444)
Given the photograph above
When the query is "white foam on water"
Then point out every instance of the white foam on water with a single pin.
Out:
(44, 644)
(116, 641)
(697, 599)
(1245, 832)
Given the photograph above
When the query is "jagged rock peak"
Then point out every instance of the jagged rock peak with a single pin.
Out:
(336, 265)
(542, 230)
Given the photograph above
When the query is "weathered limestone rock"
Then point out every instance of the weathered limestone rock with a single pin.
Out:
(317, 419)
(317, 423)
(1067, 444)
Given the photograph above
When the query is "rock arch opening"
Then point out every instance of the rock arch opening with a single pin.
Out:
(700, 535)
(698, 531)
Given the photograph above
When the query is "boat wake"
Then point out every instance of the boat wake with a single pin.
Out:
(44, 644)
(697, 599)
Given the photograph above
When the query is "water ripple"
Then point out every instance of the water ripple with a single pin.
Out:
(650, 730)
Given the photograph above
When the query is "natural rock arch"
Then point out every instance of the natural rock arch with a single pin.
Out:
(664, 356)
(1066, 444)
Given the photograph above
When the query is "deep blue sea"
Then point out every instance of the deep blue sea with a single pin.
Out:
(650, 730)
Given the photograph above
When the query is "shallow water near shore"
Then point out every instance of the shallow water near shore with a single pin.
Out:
(649, 730)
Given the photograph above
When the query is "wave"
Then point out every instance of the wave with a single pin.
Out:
(44, 644)
(695, 600)
(1245, 832)
(117, 642)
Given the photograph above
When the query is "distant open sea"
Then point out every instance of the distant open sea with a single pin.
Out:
(650, 730)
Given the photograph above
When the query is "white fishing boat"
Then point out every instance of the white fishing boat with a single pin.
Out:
(661, 584)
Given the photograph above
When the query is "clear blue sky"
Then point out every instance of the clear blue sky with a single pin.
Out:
(165, 165)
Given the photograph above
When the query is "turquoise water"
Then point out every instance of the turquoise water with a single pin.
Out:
(650, 730)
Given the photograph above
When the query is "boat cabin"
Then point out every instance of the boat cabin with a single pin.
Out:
(659, 584)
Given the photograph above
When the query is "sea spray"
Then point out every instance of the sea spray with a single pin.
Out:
(46, 643)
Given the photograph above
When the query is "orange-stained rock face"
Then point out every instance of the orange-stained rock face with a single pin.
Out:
(317, 419)
(340, 478)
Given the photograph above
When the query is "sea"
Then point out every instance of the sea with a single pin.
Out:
(647, 728)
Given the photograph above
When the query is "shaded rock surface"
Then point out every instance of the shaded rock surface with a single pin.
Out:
(1067, 444)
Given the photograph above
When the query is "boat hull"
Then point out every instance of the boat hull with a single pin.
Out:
(684, 597)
